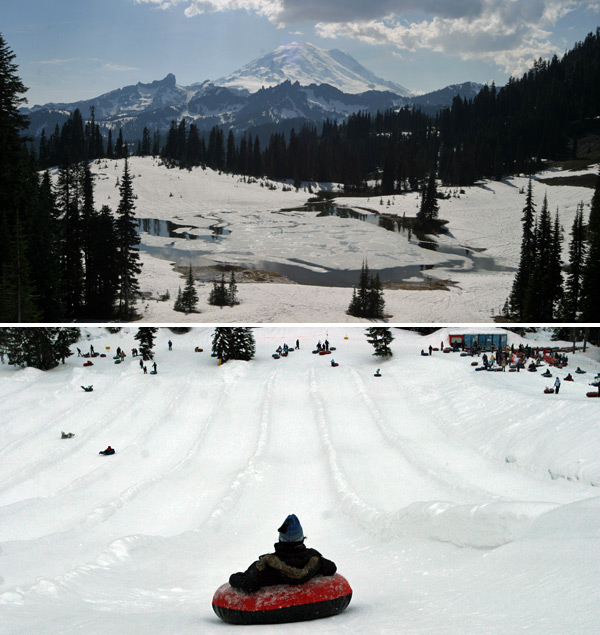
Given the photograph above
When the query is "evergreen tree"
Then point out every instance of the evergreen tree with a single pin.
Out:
(221, 343)
(188, 299)
(428, 211)
(102, 265)
(243, 345)
(178, 306)
(65, 337)
(232, 291)
(233, 343)
(146, 336)
(590, 297)
(555, 266)
(368, 300)
(218, 295)
(380, 338)
(39, 347)
(539, 297)
(18, 301)
(69, 202)
(590, 301)
(521, 284)
(375, 301)
(594, 220)
(127, 239)
(572, 296)
(45, 244)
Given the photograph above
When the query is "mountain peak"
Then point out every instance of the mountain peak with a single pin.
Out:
(307, 64)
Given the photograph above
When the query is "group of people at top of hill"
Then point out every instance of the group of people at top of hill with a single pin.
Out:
(324, 346)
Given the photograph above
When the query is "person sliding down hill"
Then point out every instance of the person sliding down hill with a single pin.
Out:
(108, 450)
(292, 562)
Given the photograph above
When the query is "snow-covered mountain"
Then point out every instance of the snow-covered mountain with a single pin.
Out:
(308, 64)
(295, 83)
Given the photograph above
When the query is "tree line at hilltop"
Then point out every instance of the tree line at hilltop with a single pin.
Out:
(501, 131)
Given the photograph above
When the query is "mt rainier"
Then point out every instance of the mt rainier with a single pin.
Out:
(307, 64)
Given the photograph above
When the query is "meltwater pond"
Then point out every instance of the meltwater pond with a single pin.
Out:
(181, 253)
(168, 229)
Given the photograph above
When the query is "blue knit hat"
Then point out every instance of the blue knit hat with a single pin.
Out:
(291, 530)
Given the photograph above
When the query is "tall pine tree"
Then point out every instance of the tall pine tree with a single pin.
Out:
(572, 296)
(146, 336)
(521, 284)
(127, 240)
(380, 338)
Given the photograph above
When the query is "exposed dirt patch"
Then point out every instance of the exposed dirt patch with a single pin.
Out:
(429, 284)
(242, 275)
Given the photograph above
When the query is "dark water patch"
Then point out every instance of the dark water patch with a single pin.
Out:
(327, 277)
(168, 229)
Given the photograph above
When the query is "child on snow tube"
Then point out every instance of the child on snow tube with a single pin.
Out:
(292, 562)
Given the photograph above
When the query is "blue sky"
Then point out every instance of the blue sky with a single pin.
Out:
(75, 49)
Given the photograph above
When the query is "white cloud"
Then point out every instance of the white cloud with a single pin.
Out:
(508, 33)
(56, 62)
(118, 67)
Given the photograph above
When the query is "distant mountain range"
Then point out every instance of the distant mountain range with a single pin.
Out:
(291, 85)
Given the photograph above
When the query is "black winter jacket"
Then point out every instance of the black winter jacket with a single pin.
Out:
(292, 563)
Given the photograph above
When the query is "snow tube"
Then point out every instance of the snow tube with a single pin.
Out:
(474, 363)
(321, 596)
(275, 356)
(377, 375)
(325, 353)
(102, 355)
(549, 391)
(568, 379)
(332, 348)
(198, 350)
(153, 372)
(315, 351)
(592, 394)
(88, 364)
(117, 361)
(546, 374)
(334, 365)
(580, 372)
(107, 452)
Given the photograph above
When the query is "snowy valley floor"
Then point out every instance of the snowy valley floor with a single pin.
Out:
(453, 501)
(263, 226)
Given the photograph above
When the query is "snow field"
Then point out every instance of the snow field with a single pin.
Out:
(485, 219)
(452, 500)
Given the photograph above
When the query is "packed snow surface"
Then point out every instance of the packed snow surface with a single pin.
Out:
(223, 219)
(453, 501)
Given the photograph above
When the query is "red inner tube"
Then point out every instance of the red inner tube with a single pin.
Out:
(322, 596)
